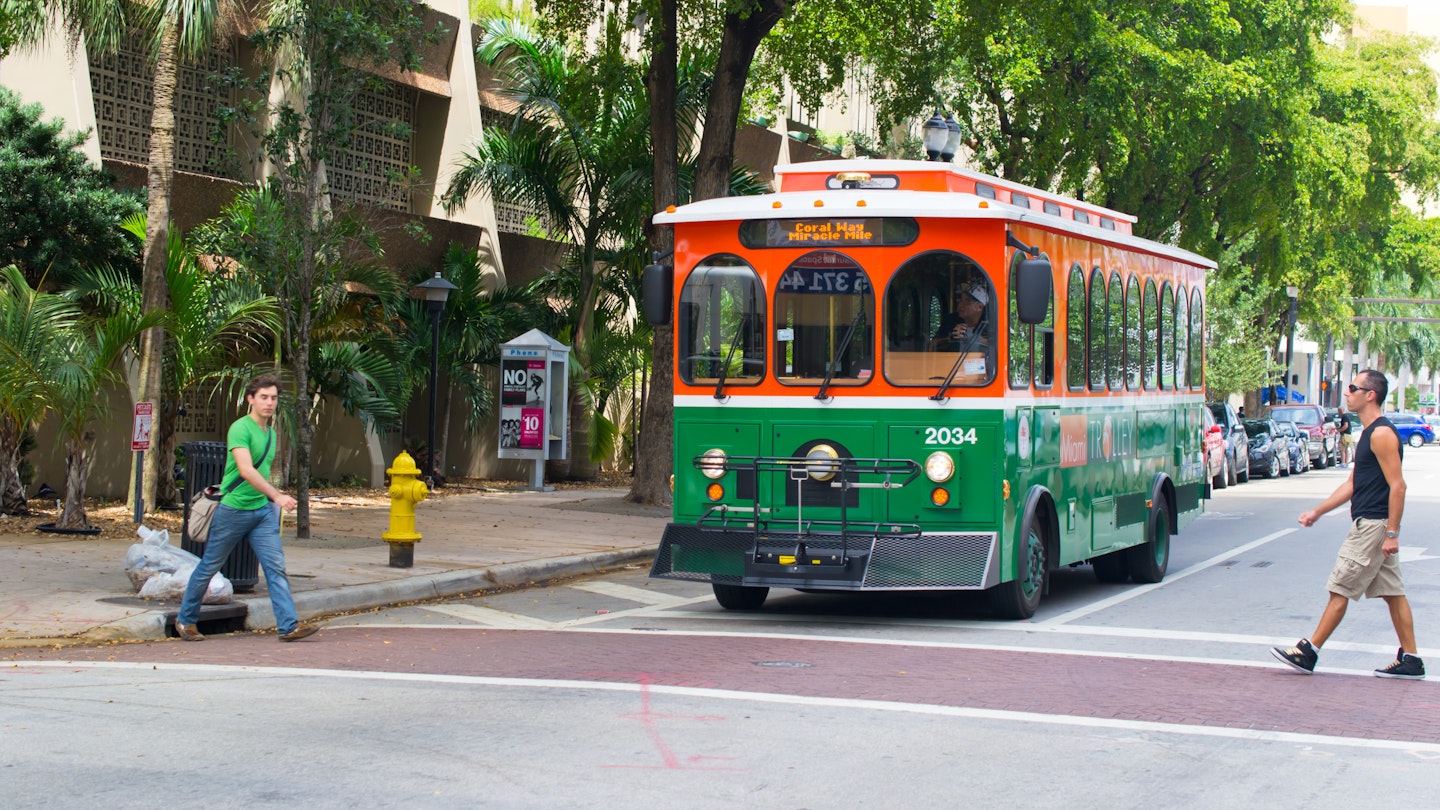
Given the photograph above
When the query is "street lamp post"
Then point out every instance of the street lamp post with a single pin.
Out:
(936, 134)
(433, 291)
(1293, 292)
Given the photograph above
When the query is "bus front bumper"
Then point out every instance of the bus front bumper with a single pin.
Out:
(828, 561)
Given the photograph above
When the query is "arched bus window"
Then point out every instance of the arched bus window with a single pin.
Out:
(1150, 313)
(1115, 329)
(1182, 340)
(1099, 331)
(940, 312)
(1197, 339)
(721, 323)
(1166, 346)
(824, 320)
(1077, 347)
(1134, 339)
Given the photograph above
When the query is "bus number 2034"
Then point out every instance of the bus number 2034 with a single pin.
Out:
(948, 436)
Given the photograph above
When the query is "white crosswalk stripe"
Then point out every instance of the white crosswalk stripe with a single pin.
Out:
(490, 617)
(629, 593)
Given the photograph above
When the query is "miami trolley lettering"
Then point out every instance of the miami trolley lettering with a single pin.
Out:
(1095, 438)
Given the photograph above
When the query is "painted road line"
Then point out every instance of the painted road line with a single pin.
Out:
(1418, 749)
(1141, 590)
(648, 610)
(629, 593)
(489, 617)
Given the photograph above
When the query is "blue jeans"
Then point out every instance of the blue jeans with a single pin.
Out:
(261, 527)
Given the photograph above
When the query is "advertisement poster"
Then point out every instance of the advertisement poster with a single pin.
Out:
(522, 404)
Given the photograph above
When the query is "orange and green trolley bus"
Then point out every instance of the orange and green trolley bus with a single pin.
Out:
(903, 375)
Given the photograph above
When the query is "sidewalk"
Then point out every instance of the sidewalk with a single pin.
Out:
(57, 589)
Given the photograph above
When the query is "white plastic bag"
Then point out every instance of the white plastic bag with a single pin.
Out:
(159, 570)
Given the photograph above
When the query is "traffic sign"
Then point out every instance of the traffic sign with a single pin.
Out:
(140, 435)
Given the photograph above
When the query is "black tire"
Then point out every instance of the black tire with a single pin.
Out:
(1285, 468)
(1222, 478)
(739, 597)
(1019, 598)
(1112, 568)
(1320, 462)
(1242, 471)
(1416, 440)
(1149, 560)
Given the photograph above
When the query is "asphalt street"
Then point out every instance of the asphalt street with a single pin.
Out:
(620, 691)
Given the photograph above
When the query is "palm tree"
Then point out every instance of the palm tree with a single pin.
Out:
(579, 141)
(30, 325)
(217, 319)
(174, 31)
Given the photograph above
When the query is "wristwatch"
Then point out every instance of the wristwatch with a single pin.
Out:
(1389, 535)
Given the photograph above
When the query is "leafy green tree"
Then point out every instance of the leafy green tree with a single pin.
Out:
(299, 240)
(57, 212)
(578, 151)
(30, 327)
(172, 32)
(217, 319)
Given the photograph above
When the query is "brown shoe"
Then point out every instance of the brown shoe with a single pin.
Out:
(188, 632)
(300, 631)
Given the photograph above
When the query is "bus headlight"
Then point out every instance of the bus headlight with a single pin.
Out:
(823, 462)
(712, 463)
(939, 466)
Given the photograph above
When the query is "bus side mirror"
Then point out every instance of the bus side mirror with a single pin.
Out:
(1032, 290)
(657, 289)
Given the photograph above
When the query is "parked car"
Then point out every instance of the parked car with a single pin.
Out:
(1269, 450)
(1217, 468)
(1234, 435)
(1433, 420)
(1412, 429)
(1322, 439)
(1299, 456)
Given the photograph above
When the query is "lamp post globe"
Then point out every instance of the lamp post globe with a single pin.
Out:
(434, 292)
(952, 139)
(935, 134)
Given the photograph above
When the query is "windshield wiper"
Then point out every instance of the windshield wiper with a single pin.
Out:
(840, 349)
(955, 369)
(730, 355)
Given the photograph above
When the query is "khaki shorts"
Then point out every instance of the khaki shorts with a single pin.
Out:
(1362, 568)
(1347, 440)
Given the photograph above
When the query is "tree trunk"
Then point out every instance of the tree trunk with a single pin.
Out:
(742, 36)
(655, 448)
(77, 472)
(154, 292)
(12, 489)
(166, 440)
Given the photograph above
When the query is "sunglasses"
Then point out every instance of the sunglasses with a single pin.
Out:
(1353, 388)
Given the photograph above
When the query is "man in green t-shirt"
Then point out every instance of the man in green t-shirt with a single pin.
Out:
(249, 511)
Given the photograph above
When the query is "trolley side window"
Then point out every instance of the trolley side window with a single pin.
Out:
(824, 321)
(940, 317)
(1076, 346)
(1197, 339)
(1099, 331)
(1032, 348)
(721, 323)
(1182, 340)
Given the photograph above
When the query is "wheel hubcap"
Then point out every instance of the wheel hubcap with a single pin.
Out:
(1035, 565)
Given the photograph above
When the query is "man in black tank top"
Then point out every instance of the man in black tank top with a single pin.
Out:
(1368, 564)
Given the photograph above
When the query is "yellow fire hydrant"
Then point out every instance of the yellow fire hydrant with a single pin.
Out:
(406, 490)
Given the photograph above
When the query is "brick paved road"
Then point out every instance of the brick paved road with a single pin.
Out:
(1087, 686)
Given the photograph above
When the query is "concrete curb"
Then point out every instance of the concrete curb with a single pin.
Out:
(150, 625)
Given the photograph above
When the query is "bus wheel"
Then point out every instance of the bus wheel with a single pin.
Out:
(1111, 567)
(1148, 561)
(1019, 598)
(739, 597)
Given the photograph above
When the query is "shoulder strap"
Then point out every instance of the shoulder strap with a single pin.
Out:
(263, 454)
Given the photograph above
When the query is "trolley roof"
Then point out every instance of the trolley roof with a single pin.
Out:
(918, 189)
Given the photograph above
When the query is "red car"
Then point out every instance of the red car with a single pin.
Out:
(1214, 442)
(1321, 437)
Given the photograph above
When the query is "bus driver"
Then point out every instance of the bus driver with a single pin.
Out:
(971, 303)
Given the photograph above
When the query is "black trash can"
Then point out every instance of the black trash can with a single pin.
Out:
(204, 467)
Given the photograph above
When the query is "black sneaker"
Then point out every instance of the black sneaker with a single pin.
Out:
(1302, 656)
(1405, 666)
